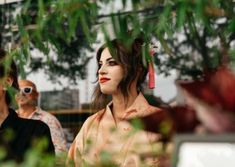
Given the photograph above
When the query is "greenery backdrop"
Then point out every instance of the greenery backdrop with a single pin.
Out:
(194, 35)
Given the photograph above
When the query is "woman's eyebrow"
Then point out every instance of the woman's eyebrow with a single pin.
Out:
(108, 59)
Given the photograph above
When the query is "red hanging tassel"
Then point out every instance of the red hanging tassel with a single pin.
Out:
(151, 75)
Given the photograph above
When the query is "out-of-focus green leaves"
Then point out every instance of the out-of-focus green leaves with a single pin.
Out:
(36, 156)
(194, 35)
(201, 29)
(61, 30)
(184, 28)
(181, 13)
(137, 124)
(2, 153)
(106, 160)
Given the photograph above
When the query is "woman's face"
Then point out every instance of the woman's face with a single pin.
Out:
(110, 73)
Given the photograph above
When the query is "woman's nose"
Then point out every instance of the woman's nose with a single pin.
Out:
(102, 70)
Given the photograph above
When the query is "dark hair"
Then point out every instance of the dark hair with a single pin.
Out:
(129, 56)
(8, 68)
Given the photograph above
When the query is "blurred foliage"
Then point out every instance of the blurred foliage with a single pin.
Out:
(60, 30)
(194, 35)
(34, 157)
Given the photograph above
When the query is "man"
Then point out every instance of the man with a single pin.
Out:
(27, 102)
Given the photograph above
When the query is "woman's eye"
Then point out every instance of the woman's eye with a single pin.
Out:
(112, 63)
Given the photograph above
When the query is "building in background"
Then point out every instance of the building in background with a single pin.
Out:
(65, 105)
(57, 100)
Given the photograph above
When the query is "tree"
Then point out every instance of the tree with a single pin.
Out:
(195, 35)
(60, 30)
(206, 29)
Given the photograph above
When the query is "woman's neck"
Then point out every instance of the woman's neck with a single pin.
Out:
(120, 104)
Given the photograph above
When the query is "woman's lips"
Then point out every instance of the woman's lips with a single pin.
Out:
(103, 80)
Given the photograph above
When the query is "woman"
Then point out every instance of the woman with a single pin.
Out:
(108, 137)
(17, 135)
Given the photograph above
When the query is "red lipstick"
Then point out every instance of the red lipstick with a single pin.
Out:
(103, 79)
